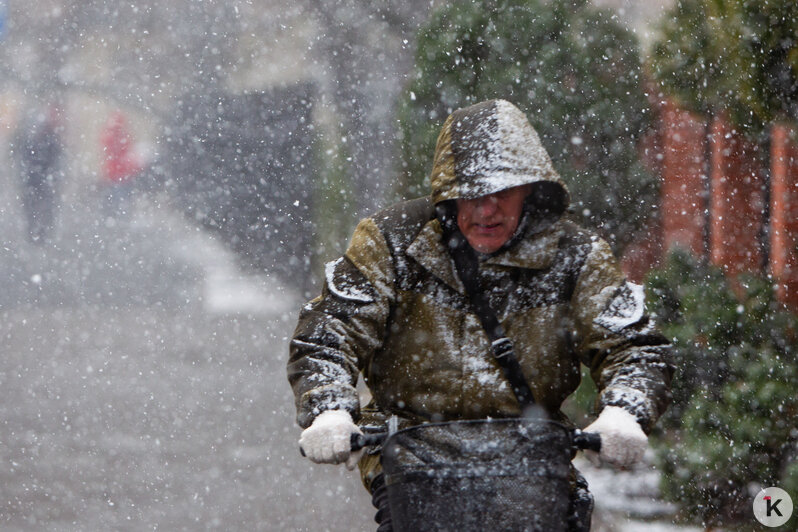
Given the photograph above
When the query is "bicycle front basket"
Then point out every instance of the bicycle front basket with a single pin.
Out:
(505, 474)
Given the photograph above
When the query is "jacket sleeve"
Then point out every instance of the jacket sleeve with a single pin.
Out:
(339, 331)
(629, 360)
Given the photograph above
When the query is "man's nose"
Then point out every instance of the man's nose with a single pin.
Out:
(487, 206)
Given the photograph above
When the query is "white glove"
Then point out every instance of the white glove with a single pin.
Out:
(623, 441)
(327, 439)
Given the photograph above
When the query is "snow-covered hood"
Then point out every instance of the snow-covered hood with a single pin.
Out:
(488, 147)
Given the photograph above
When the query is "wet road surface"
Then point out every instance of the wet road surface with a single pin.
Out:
(142, 384)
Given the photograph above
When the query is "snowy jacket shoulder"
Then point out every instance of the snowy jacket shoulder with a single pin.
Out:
(394, 309)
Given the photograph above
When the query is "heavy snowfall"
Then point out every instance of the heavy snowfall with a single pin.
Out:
(210, 158)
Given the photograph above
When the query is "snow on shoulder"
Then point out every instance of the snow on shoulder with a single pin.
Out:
(342, 285)
(625, 308)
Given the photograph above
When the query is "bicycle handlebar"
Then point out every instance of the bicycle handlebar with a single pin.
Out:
(358, 441)
(587, 441)
(582, 440)
(590, 441)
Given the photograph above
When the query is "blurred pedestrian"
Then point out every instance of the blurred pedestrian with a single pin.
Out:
(121, 164)
(38, 149)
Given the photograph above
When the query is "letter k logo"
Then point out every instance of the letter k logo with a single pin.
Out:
(772, 506)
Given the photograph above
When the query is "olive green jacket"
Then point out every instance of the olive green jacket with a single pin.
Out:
(394, 309)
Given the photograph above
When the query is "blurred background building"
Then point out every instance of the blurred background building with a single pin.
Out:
(252, 113)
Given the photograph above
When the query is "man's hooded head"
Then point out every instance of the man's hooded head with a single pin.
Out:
(487, 148)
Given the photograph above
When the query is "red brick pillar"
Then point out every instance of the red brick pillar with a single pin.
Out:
(737, 200)
(683, 190)
(784, 214)
(642, 253)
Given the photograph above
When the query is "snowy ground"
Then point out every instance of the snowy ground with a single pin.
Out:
(628, 501)
(143, 388)
(143, 384)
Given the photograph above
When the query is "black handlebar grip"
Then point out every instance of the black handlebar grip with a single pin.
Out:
(590, 441)
(358, 441)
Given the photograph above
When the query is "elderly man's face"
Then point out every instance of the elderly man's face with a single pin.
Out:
(489, 221)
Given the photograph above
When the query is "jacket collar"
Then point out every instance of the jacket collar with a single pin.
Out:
(428, 250)
(536, 251)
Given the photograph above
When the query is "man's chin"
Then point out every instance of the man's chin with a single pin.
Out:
(485, 245)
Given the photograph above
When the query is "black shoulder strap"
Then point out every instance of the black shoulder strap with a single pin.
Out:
(467, 264)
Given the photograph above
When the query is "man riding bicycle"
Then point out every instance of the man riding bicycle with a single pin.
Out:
(396, 309)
